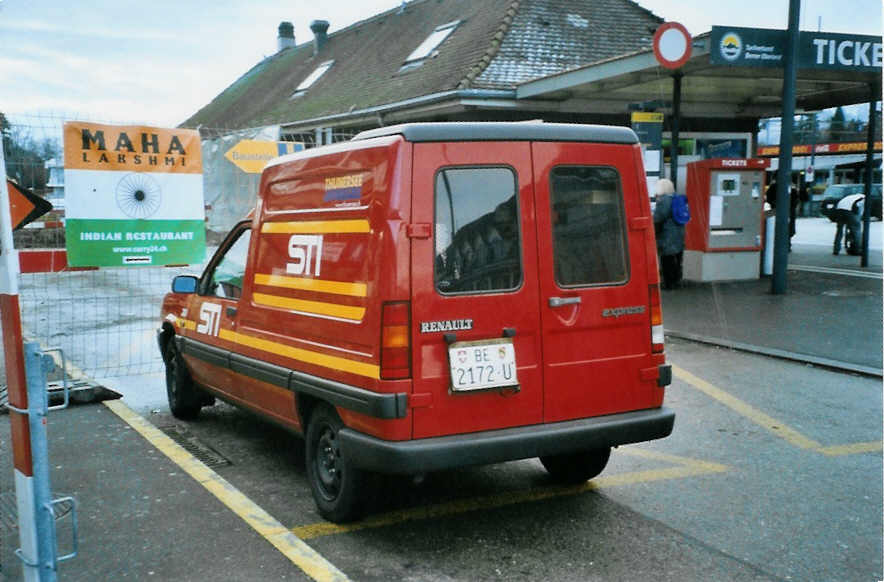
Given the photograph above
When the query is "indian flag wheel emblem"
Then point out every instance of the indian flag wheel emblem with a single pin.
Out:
(138, 195)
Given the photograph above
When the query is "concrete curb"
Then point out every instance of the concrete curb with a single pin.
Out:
(777, 353)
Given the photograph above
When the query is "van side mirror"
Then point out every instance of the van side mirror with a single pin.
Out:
(184, 284)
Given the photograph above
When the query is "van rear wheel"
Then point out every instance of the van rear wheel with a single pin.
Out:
(577, 467)
(185, 400)
(337, 485)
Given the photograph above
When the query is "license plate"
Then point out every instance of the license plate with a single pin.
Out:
(483, 364)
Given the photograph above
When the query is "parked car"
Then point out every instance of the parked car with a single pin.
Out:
(435, 295)
(836, 192)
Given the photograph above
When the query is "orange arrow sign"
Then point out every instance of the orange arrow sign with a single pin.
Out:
(24, 205)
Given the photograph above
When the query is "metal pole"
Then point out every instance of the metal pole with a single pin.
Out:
(38, 409)
(16, 382)
(870, 143)
(808, 208)
(784, 175)
(676, 117)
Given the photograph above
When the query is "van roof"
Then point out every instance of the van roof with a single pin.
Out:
(504, 131)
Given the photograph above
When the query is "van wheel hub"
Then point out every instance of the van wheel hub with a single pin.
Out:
(328, 461)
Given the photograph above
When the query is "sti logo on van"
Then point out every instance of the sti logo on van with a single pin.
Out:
(306, 250)
(210, 318)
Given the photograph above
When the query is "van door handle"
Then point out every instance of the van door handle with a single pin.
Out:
(560, 301)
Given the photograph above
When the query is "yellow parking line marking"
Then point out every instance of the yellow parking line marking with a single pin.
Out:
(299, 553)
(773, 425)
(852, 449)
(769, 423)
(687, 468)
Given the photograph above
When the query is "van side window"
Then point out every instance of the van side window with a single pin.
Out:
(477, 230)
(588, 226)
(226, 279)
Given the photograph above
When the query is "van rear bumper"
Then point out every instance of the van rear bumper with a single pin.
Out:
(495, 446)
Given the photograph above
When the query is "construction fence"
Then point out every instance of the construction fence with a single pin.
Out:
(105, 319)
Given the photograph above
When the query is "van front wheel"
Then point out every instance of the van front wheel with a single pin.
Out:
(336, 484)
(184, 399)
(576, 467)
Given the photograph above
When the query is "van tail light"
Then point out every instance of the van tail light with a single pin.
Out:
(656, 319)
(396, 341)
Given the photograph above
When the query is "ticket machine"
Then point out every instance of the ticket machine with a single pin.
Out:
(723, 237)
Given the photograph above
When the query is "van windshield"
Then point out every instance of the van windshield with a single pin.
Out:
(477, 230)
(588, 226)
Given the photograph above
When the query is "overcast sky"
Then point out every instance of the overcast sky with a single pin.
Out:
(158, 62)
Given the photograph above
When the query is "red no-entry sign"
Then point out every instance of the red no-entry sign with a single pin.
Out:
(672, 45)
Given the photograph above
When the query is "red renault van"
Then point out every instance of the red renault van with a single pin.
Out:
(435, 295)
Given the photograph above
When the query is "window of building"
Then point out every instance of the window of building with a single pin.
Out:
(588, 226)
(312, 78)
(477, 230)
(432, 42)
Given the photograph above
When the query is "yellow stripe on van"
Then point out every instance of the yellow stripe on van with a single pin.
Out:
(320, 286)
(186, 324)
(316, 227)
(316, 307)
(326, 361)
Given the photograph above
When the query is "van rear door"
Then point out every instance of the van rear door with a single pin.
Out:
(476, 356)
(593, 274)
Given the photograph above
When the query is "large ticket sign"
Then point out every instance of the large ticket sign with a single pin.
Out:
(760, 47)
(133, 196)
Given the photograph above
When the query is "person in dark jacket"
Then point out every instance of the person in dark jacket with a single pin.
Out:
(770, 196)
(793, 210)
(670, 235)
(803, 198)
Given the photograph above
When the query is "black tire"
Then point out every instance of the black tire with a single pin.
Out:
(338, 486)
(577, 467)
(185, 400)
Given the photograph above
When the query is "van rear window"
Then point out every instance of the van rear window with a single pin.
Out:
(588, 226)
(477, 230)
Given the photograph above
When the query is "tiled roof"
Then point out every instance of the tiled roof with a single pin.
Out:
(551, 36)
(497, 44)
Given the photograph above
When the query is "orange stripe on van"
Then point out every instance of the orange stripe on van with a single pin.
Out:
(316, 227)
(311, 307)
(318, 285)
(307, 356)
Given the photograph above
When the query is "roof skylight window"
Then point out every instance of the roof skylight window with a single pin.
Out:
(426, 48)
(312, 78)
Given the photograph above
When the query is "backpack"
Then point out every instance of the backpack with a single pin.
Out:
(681, 213)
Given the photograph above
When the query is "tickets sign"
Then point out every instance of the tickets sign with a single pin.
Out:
(133, 195)
(758, 47)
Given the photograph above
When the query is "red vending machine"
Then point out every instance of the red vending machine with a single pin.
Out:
(723, 239)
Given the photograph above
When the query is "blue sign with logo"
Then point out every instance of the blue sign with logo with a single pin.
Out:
(759, 47)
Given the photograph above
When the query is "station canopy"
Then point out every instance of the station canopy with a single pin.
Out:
(708, 90)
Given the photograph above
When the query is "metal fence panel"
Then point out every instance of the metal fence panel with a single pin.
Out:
(106, 319)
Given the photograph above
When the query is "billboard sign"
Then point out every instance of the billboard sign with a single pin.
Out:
(251, 155)
(759, 47)
(133, 195)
